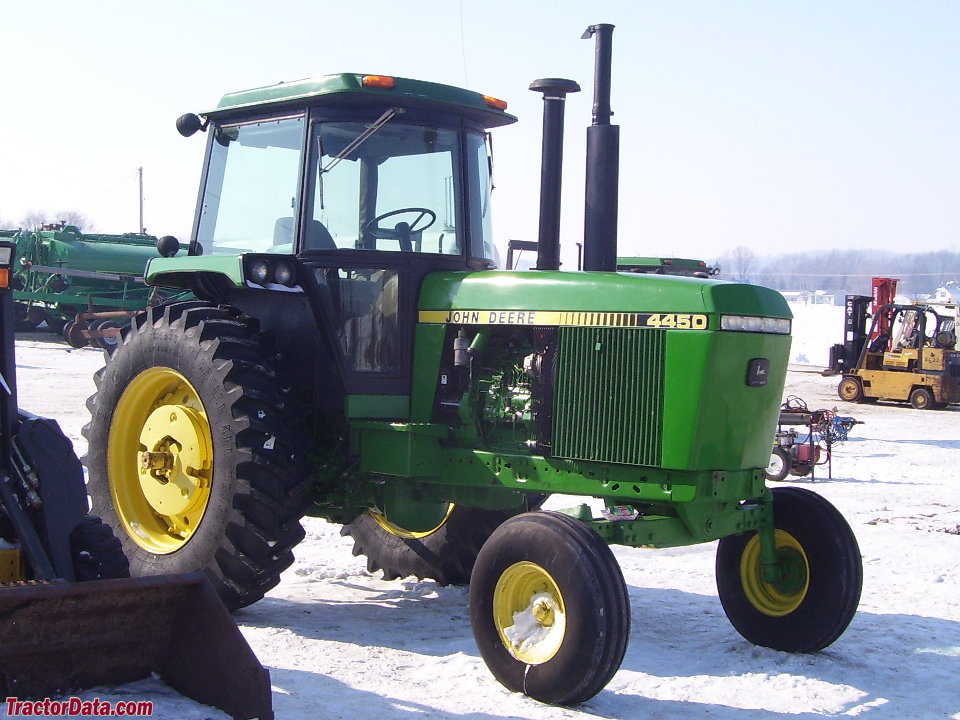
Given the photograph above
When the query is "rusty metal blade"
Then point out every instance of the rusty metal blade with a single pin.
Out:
(59, 637)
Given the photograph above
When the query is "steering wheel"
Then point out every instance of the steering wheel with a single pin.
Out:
(402, 231)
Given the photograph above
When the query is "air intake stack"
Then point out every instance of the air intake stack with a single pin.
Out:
(551, 168)
(603, 163)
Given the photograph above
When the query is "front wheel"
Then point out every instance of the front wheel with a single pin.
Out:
(96, 552)
(850, 389)
(820, 576)
(922, 399)
(779, 465)
(195, 458)
(549, 608)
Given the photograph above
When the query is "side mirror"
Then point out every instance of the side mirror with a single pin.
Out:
(168, 246)
(188, 124)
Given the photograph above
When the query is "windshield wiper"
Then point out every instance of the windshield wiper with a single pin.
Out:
(362, 138)
(353, 145)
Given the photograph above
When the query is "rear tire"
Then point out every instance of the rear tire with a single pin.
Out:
(549, 608)
(445, 554)
(222, 487)
(822, 576)
(55, 324)
(25, 318)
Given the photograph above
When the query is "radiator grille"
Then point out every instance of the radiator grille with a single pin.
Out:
(609, 395)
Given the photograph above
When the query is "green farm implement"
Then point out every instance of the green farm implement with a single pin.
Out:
(84, 286)
(352, 353)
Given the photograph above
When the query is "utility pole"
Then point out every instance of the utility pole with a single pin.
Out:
(142, 229)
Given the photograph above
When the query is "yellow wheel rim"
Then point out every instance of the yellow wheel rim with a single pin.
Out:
(786, 594)
(160, 460)
(529, 613)
(402, 532)
(849, 389)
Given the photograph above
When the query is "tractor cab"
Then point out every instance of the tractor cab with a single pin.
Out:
(345, 190)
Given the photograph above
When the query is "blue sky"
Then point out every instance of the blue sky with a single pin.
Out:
(775, 125)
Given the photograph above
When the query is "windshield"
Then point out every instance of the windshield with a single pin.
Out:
(395, 191)
(250, 197)
(387, 185)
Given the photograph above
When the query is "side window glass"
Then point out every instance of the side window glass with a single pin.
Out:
(480, 184)
(250, 198)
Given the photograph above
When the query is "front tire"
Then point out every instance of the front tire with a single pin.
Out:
(96, 552)
(779, 466)
(922, 399)
(549, 608)
(815, 599)
(194, 457)
(850, 390)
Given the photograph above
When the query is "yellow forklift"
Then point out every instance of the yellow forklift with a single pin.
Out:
(909, 355)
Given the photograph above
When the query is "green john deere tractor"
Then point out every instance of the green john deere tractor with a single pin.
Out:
(353, 354)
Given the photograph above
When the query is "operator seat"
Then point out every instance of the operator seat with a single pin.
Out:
(318, 237)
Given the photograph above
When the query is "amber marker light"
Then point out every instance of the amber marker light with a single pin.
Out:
(383, 82)
(495, 102)
(6, 256)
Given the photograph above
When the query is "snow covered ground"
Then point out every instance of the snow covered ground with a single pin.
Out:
(342, 643)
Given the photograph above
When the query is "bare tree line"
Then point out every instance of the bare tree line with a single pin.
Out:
(35, 220)
(843, 272)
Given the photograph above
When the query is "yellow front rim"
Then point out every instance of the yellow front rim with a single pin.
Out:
(402, 532)
(529, 613)
(786, 595)
(160, 460)
(849, 389)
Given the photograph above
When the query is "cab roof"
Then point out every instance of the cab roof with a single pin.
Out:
(361, 89)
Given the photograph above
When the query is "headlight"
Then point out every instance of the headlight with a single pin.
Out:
(283, 273)
(259, 272)
(751, 323)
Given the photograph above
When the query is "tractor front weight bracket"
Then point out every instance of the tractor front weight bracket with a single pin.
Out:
(686, 524)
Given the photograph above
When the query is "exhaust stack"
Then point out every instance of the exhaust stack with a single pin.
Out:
(551, 168)
(603, 163)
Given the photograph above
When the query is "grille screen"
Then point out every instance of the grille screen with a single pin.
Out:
(609, 395)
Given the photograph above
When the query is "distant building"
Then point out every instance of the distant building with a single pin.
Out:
(806, 297)
(948, 294)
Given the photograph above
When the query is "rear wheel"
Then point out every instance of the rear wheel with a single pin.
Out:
(55, 324)
(850, 389)
(446, 552)
(549, 608)
(922, 399)
(821, 574)
(26, 318)
(779, 466)
(195, 458)
(105, 342)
